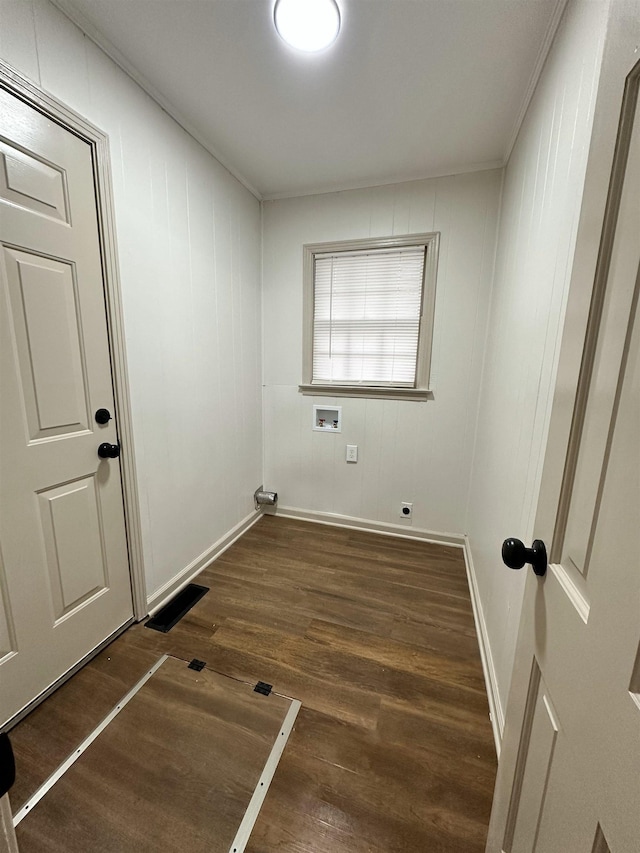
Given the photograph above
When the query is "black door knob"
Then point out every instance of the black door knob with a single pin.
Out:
(102, 416)
(109, 451)
(515, 555)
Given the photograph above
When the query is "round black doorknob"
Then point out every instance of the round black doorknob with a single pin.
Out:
(102, 416)
(515, 555)
(109, 451)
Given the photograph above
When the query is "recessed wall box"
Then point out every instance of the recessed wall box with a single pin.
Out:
(327, 418)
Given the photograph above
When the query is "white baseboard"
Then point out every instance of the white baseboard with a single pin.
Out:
(336, 520)
(496, 711)
(186, 575)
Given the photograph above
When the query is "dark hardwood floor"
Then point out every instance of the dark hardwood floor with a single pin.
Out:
(392, 750)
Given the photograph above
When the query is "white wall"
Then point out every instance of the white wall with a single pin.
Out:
(541, 202)
(408, 451)
(189, 246)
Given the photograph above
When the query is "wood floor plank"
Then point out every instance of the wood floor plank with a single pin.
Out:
(434, 635)
(279, 604)
(452, 666)
(316, 565)
(342, 699)
(333, 664)
(438, 728)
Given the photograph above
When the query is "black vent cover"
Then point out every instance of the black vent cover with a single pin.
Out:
(172, 613)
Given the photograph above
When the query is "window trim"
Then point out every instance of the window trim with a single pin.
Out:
(421, 390)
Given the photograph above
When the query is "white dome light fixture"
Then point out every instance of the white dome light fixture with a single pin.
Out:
(309, 25)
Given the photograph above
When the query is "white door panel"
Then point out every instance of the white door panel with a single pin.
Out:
(538, 746)
(65, 584)
(613, 726)
(43, 295)
(566, 824)
(33, 184)
(77, 568)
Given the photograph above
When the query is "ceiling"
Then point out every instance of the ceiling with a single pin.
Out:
(410, 89)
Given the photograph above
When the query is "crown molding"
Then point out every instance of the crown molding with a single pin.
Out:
(372, 183)
(541, 59)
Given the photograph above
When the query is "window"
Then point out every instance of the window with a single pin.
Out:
(369, 316)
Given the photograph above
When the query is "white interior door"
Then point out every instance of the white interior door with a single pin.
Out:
(64, 572)
(569, 771)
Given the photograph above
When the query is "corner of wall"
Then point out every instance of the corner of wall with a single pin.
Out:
(484, 347)
(262, 340)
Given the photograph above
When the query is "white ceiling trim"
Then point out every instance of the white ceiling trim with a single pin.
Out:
(370, 183)
(105, 45)
(543, 53)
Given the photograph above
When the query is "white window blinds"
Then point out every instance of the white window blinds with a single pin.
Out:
(366, 316)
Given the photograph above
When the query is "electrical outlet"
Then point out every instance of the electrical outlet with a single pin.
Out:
(352, 452)
(406, 510)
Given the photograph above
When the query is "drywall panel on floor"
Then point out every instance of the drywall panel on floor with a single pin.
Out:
(189, 247)
(418, 452)
(540, 207)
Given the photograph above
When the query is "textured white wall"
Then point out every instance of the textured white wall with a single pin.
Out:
(408, 451)
(541, 202)
(189, 246)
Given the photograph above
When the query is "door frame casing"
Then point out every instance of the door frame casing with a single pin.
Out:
(25, 90)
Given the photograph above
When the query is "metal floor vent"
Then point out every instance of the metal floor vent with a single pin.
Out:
(169, 615)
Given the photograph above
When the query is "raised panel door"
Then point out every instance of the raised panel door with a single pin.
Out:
(64, 577)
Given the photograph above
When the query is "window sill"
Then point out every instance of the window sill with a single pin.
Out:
(380, 393)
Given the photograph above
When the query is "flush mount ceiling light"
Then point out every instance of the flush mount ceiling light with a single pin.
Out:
(308, 25)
